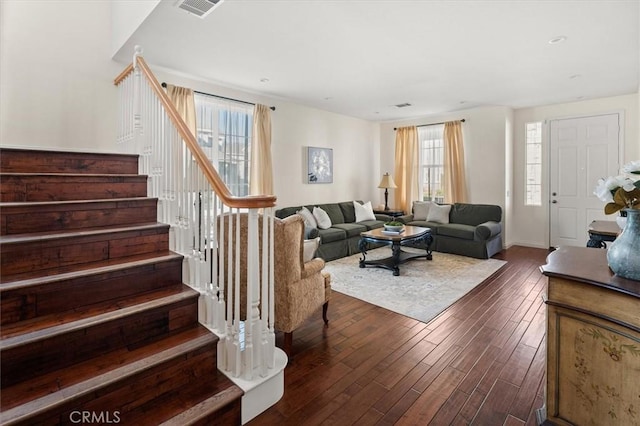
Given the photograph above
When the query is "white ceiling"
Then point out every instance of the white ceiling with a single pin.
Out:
(360, 58)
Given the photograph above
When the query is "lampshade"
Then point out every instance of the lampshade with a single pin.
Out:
(387, 182)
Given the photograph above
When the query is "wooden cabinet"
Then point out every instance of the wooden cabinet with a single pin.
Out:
(593, 341)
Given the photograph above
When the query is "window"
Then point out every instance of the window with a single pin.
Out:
(431, 172)
(533, 160)
(224, 133)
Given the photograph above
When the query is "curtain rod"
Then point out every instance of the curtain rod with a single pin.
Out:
(222, 97)
(432, 124)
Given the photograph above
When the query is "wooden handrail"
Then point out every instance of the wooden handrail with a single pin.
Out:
(128, 70)
(218, 185)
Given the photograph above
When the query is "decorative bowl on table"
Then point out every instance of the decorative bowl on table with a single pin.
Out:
(393, 226)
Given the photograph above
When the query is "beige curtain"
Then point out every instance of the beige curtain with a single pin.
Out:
(261, 174)
(406, 167)
(182, 99)
(455, 182)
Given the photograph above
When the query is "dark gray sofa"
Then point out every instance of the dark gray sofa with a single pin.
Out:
(474, 230)
(342, 238)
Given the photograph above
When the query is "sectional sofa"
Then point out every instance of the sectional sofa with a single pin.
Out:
(473, 230)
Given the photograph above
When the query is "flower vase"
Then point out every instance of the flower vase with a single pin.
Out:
(624, 254)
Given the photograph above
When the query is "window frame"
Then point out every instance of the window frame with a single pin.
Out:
(433, 135)
(232, 158)
(533, 164)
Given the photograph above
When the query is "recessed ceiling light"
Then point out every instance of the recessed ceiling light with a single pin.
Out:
(558, 39)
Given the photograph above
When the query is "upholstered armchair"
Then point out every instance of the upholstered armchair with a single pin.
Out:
(300, 288)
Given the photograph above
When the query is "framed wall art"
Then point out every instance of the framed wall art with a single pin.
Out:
(319, 165)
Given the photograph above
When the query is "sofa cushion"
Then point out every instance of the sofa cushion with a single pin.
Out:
(309, 249)
(421, 210)
(475, 214)
(438, 213)
(323, 219)
(425, 224)
(309, 219)
(334, 212)
(363, 211)
(348, 212)
(456, 230)
(373, 224)
(352, 229)
(332, 234)
(310, 233)
(286, 212)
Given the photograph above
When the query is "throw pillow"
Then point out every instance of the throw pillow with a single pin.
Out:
(309, 250)
(309, 220)
(421, 210)
(438, 213)
(323, 219)
(363, 211)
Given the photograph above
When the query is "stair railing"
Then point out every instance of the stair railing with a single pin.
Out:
(204, 219)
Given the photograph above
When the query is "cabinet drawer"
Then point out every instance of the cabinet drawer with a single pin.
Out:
(611, 305)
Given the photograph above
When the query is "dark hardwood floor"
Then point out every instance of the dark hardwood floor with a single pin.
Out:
(480, 362)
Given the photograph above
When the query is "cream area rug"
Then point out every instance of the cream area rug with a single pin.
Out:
(424, 288)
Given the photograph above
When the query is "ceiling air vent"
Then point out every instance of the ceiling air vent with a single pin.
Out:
(200, 8)
(404, 105)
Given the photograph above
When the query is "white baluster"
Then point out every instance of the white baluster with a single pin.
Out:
(253, 294)
(271, 299)
(238, 345)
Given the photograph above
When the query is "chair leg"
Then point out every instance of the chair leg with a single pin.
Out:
(325, 307)
(288, 343)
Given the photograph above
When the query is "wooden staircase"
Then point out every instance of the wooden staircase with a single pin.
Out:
(96, 325)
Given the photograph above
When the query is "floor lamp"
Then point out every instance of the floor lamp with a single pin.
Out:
(386, 183)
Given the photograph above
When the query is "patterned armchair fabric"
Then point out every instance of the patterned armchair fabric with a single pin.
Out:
(300, 288)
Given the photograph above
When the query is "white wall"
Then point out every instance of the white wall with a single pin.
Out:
(355, 144)
(530, 223)
(126, 17)
(56, 76)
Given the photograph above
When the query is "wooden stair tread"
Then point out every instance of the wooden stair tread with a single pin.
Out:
(53, 204)
(39, 328)
(203, 409)
(27, 280)
(79, 175)
(86, 232)
(80, 269)
(56, 388)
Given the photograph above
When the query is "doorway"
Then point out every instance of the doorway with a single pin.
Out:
(581, 151)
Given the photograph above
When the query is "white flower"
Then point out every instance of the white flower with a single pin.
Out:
(632, 167)
(603, 190)
(606, 187)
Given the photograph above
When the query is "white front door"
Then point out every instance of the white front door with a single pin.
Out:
(582, 150)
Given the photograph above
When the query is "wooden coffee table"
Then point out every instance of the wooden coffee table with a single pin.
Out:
(413, 236)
